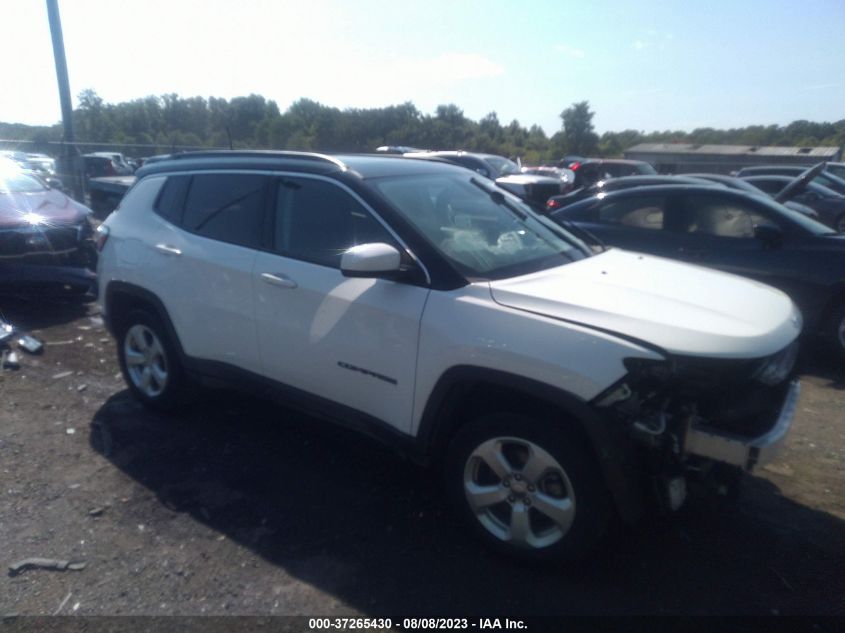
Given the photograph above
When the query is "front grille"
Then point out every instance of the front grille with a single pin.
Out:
(730, 395)
(40, 241)
(749, 410)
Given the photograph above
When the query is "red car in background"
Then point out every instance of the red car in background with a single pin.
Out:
(46, 238)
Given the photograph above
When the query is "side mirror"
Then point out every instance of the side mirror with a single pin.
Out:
(371, 260)
(769, 235)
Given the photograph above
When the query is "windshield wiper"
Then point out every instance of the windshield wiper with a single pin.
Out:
(580, 230)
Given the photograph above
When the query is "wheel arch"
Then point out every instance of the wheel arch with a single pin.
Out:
(122, 297)
(464, 392)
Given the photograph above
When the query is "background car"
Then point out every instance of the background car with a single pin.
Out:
(99, 164)
(616, 184)
(505, 172)
(823, 177)
(590, 170)
(46, 242)
(745, 234)
(827, 203)
(742, 184)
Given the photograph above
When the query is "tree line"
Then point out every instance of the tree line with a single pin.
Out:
(169, 121)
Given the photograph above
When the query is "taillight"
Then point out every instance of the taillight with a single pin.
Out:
(102, 236)
(551, 203)
(575, 165)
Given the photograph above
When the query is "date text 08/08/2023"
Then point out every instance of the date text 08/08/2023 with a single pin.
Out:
(415, 624)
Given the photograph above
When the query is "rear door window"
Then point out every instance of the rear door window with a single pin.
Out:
(227, 207)
(639, 212)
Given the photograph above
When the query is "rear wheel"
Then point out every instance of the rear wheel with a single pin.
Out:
(528, 488)
(149, 361)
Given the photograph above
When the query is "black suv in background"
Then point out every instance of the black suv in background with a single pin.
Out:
(590, 170)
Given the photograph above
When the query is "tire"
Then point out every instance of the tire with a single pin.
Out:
(149, 361)
(550, 507)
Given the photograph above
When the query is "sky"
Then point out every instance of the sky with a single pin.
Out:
(644, 65)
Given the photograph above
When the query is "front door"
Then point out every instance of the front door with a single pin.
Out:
(352, 341)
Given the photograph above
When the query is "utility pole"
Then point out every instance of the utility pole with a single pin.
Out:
(70, 160)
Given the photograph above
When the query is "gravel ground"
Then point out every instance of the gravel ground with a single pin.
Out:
(243, 507)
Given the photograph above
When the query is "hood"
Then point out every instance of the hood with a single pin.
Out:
(681, 308)
(53, 207)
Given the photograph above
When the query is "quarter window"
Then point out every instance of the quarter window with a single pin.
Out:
(172, 198)
(317, 221)
(225, 207)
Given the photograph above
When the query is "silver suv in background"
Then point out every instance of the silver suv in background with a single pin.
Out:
(532, 188)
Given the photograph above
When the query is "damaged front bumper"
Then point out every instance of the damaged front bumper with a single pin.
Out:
(705, 441)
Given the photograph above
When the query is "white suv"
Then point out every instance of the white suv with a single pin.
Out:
(417, 302)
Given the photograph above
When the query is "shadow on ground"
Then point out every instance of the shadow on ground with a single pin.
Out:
(36, 314)
(345, 515)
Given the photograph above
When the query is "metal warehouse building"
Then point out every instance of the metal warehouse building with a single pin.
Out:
(684, 158)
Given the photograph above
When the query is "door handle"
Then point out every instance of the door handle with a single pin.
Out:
(278, 279)
(166, 249)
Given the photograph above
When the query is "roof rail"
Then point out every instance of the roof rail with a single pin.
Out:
(253, 153)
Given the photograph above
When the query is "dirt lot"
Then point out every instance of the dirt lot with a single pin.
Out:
(243, 507)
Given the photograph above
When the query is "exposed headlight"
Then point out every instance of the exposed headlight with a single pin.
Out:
(774, 369)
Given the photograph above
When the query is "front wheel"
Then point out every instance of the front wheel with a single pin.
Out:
(530, 489)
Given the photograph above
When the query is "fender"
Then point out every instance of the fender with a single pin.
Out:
(140, 295)
(613, 450)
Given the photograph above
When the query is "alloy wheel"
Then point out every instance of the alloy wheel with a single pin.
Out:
(519, 492)
(146, 362)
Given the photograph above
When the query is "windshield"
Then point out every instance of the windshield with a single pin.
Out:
(18, 182)
(502, 166)
(483, 232)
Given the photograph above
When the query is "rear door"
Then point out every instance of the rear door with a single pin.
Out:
(347, 341)
(633, 222)
(202, 260)
(718, 231)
